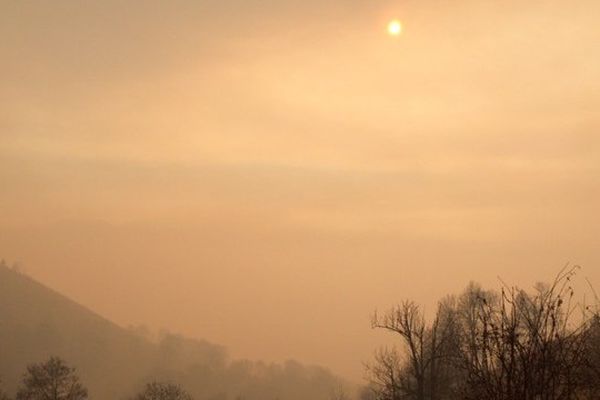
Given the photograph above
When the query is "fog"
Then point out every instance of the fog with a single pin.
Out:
(115, 363)
(264, 175)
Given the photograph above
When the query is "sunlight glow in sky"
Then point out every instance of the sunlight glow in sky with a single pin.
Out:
(294, 173)
(394, 28)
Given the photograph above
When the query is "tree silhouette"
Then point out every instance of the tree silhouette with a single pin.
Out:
(504, 345)
(424, 374)
(163, 391)
(52, 380)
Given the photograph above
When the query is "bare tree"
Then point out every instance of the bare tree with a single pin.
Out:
(428, 347)
(387, 380)
(163, 391)
(506, 345)
(407, 320)
(526, 346)
(52, 380)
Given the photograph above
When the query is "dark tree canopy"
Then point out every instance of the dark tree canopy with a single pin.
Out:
(163, 391)
(52, 380)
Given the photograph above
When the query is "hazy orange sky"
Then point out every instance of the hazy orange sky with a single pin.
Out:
(264, 174)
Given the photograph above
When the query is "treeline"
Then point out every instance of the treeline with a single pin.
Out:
(115, 364)
(496, 345)
(55, 380)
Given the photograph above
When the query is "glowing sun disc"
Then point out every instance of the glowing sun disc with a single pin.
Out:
(394, 28)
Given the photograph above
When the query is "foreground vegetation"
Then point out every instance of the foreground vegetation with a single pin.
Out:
(507, 344)
(494, 345)
(114, 363)
(55, 380)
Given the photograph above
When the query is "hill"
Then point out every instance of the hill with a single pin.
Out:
(37, 322)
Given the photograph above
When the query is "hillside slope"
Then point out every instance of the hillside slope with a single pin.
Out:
(37, 322)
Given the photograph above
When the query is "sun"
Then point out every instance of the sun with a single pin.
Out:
(394, 28)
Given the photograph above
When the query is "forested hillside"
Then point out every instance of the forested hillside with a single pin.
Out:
(37, 323)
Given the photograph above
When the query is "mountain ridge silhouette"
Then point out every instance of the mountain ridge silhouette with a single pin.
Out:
(37, 322)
